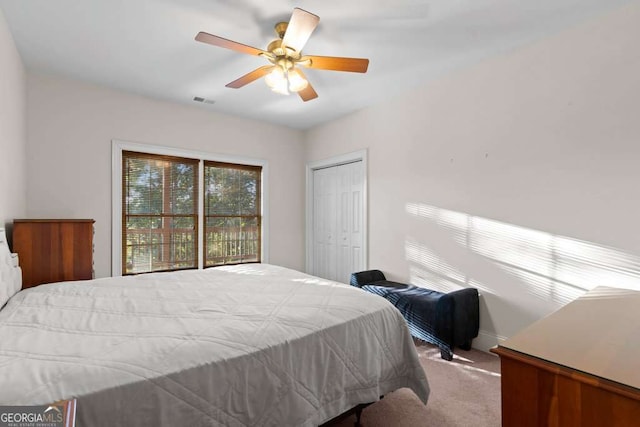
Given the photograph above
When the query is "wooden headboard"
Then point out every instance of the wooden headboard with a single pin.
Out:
(10, 272)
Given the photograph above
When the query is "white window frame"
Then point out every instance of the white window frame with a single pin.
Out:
(118, 146)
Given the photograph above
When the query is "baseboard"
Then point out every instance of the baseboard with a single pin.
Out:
(487, 340)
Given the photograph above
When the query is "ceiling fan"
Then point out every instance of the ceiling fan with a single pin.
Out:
(285, 55)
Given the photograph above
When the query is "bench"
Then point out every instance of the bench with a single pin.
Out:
(447, 320)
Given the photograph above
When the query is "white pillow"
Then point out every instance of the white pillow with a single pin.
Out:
(10, 273)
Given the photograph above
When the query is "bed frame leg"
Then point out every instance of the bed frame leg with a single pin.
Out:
(358, 415)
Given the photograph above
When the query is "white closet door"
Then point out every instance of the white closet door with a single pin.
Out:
(324, 213)
(356, 219)
(338, 221)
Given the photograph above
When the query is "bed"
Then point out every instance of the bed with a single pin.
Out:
(239, 345)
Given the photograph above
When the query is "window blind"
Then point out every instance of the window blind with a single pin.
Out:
(159, 213)
(232, 211)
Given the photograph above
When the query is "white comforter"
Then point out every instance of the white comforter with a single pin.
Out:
(239, 345)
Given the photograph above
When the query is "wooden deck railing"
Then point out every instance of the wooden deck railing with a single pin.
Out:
(165, 249)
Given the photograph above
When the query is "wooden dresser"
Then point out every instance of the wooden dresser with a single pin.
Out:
(580, 366)
(53, 250)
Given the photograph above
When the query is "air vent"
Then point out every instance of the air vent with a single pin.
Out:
(203, 100)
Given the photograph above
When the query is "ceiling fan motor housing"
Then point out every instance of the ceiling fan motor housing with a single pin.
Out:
(281, 28)
(282, 52)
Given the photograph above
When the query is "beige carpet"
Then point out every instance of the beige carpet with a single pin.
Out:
(464, 392)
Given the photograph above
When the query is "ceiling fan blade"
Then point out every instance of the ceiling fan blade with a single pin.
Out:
(249, 77)
(301, 25)
(354, 65)
(228, 44)
(308, 93)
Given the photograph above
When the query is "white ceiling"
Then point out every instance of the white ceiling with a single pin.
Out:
(147, 46)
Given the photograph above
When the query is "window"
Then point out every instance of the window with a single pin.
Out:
(161, 225)
(159, 213)
(232, 212)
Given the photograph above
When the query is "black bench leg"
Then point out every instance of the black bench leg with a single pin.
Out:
(466, 346)
(446, 353)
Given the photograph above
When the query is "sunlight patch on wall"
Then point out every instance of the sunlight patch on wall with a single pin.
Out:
(544, 287)
(428, 270)
(555, 267)
(455, 221)
(422, 255)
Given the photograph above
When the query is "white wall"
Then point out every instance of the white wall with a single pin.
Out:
(70, 128)
(13, 136)
(487, 177)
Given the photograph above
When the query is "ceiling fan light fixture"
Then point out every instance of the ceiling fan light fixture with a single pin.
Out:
(277, 81)
(285, 81)
(296, 81)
